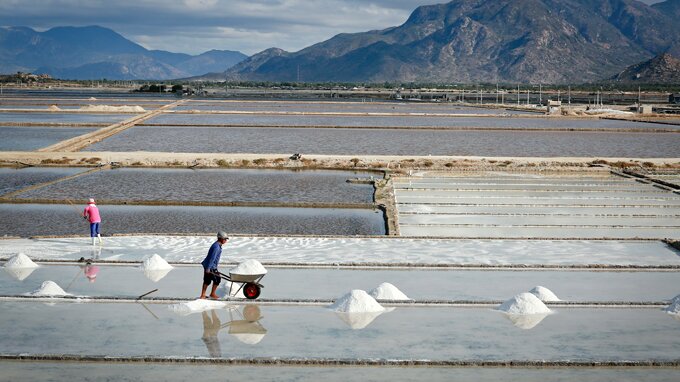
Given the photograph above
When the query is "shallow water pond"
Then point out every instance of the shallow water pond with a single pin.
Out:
(29, 138)
(213, 185)
(14, 179)
(35, 219)
(392, 142)
(441, 333)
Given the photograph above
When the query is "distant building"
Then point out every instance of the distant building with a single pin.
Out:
(674, 98)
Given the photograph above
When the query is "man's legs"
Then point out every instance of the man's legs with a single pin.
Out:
(203, 289)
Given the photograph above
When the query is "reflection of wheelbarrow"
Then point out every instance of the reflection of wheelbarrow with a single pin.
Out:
(248, 329)
(249, 283)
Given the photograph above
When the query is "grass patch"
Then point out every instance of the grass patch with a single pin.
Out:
(63, 160)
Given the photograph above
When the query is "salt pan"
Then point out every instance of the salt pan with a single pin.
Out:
(49, 288)
(20, 261)
(544, 294)
(524, 303)
(356, 301)
(674, 307)
(387, 291)
(249, 267)
(155, 263)
(196, 306)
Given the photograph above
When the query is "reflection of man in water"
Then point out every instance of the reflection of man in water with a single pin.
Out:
(211, 327)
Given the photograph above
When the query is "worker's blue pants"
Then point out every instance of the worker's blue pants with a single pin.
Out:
(94, 229)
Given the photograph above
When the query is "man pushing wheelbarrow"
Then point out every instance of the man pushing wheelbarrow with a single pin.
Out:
(248, 273)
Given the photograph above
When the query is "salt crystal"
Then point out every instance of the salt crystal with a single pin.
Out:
(356, 301)
(49, 288)
(249, 267)
(387, 291)
(20, 261)
(674, 307)
(544, 294)
(524, 303)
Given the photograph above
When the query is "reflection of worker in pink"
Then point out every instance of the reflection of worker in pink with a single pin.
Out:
(91, 213)
(91, 272)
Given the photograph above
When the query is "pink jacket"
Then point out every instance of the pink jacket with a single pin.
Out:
(92, 212)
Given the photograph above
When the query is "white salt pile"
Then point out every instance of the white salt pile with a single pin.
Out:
(49, 288)
(524, 303)
(356, 301)
(249, 267)
(387, 291)
(54, 108)
(196, 306)
(544, 294)
(155, 263)
(20, 261)
(124, 109)
(674, 307)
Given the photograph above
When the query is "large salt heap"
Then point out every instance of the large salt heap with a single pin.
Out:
(155, 267)
(544, 294)
(524, 303)
(356, 301)
(49, 288)
(20, 266)
(387, 291)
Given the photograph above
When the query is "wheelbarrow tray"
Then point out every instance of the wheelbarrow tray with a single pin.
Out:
(234, 277)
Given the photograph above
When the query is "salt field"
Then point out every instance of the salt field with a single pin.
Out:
(12, 179)
(37, 118)
(29, 138)
(357, 141)
(64, 219)
(410, 121)
(216, 185)
(535, 206)
(462, 244)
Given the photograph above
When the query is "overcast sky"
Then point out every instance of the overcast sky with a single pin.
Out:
(195, 26)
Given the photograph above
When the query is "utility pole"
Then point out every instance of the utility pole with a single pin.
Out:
(540, 94)
(569, 95)
(496, 93)
(517, 94)
(527, 97)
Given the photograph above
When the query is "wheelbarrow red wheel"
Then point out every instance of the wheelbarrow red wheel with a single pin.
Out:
(251, 291)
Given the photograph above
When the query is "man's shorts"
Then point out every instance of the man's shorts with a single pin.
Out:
(211, 278)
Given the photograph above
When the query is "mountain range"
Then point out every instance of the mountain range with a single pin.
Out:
(94, 52)
(462, 41)
(548, 41)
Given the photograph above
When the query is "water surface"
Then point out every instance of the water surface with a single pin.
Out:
(29, 138)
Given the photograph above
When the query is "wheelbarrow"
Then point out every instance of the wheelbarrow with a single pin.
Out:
(249, 283)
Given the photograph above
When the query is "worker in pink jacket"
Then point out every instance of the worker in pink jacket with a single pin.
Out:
(91, 213)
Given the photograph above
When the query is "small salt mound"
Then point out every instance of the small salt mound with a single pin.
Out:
(387, 291)
(196, 306)
(20, 261)
(544, 294)
(356, 301)
(524, 303)
(49, 288)
(155, 263)
(54, 108)
(124, 109)
(249, 267)
(674, 307)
